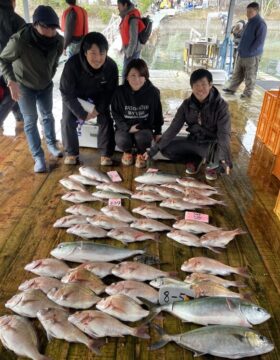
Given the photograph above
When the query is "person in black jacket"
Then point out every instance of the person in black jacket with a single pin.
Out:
(10, 23)
(137, 113)
(207, 118)
(90, 75)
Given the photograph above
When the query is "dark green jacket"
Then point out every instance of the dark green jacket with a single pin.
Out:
(24, 59)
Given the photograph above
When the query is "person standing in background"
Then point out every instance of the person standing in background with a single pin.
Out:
(237, 31)
(10, 23)
(74, 24)
(250, 50)
(131, 25)
(28, 63)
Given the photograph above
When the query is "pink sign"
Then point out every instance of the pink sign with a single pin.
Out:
(115, 202)
(114, 176)
(190, 215)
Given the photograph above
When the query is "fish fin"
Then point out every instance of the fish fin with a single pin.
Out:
(231, 304)
(213, 249)
(141, 332)
(153, 309)
(243, 271)
(197, 354)
(164, 338)
(239, 284)
(240, 231)
(95, 345)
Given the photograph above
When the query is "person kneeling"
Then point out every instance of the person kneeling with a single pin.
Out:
(137, 113)
(208, 123)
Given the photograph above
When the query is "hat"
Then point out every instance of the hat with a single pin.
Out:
(46, 15)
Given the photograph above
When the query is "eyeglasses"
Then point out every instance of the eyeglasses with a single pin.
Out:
(44, 26)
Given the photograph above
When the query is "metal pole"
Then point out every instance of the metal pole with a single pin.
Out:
(224, 47)
(26, 11)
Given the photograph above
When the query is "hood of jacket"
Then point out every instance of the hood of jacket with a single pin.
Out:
(146, 87)
(126, 11)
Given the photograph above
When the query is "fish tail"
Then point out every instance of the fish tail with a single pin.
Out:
(153, 309)
(95, 345)
(164, 339)
(239, 231)
(243, 271)
(222, 202)
(141, 332)
(239, 284)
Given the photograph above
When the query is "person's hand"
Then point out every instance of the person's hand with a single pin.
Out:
(14, 90)
(225, 166)
(157, 138)
(146, 156)
(133, 129)
(92, 114)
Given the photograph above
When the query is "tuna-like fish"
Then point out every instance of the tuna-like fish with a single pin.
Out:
(231, 342)
(48, 267)
(213, 310)
(83, 210)
(150, 225)
(94, 174)
(78, 197)
(197, 277)
(106, 222)
(128, 235)
(83, 251)
(71, 184)
(118, 213)
(87, 231)
(56, 324)
(133, 270)
(132, 289)
(29, 302)
(122, 307)
(98, 268)
(179, 204)
(98, 324)
(191, 182)
(74, 296)
(83, 180)
(147, 196)
(156, 178)
(70, 220)
(153, 212)
(86, 278)
(194, 226)
(202, 200)
(43, 283)
(113, 187)
(18, 335)
(220, 238)
(211, 266)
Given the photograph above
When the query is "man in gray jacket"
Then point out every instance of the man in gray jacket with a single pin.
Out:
(28, 63)
(206, 117)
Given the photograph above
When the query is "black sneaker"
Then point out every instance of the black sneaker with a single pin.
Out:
(211, 174)
(193, 168)
(228, 91)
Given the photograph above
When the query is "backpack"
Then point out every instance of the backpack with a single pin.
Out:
(144, 35)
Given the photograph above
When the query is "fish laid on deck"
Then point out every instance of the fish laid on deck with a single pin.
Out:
(94, 174)
(147, 196)
(105, 195)
(127, 235)
(71, 184)
(70, 220)
(106, 222)
(220, 238)
(194, 226)
(197, 277)
(83, 180)
(87, 231)
(98, 268)
(43, 283)
(155, 178)
(83, 210)
(153, 212)
(48, 267)
(118, 213)
(78, 197)
(179, 204)
(150, 225)
(113, 187)
(192, 182)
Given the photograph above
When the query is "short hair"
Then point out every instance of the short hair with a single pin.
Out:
(200, 74)
(140, 65)
(123, 2)
(95, 38)
(254, 5)
(71, 2)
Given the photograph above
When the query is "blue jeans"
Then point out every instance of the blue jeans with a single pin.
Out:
(126, 61)
(27, 102)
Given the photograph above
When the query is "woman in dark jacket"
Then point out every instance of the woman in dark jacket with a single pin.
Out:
(137, 113)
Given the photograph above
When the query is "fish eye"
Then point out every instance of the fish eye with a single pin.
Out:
(262, 337)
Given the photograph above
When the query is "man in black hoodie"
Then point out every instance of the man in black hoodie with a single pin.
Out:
(90, 75)
(207, 119)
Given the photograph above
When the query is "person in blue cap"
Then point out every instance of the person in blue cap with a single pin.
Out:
(28, 64)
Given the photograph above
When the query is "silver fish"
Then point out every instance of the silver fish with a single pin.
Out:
(153, 212)
(98, 268)
(83, 180)
(122, 307)
(48, 267)
(150, 225)
(128, 235)
(118, 213)
(178, 204)
(56, 324)
(191, 182)
(231, 342)
(74, 296)
(156, 178)
(184, 238)
(18, 335)
(70, 220)
(78, 197)
(170, 282)
(147, 196)
(43, 283)
(83, 251)
(168, 193)
(197, 277)
(174, 186)
(194, 226)
(87, 231)
(132, 289)
(202, 192)
(133, 270)
(71, 184)
(106, 222)
(202, 200)
(83, 210)
(208, 288)
(98, 324)
(94, 174)
(104, 195)
(29, 302)
(220, 238)
(151, 188)
(113, 187)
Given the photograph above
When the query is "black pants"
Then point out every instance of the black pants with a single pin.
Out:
(142, 140)
(105, 137)
(7, 104)
(183, 150)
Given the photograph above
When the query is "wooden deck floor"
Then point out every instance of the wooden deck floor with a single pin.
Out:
(31, 203)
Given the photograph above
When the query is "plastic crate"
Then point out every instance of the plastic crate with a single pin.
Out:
(276, 168)
(273, 136)
(269, 114)
(277, 206)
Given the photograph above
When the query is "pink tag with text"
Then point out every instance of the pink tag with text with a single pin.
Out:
(114, 176)
(115, 202)
(190, 215)
(152, 170)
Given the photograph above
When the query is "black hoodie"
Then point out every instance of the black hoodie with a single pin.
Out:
(80, 80)
(141, 107)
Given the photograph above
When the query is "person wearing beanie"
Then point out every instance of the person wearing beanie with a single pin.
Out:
(28, 64)
(74, 24)
(92, 76)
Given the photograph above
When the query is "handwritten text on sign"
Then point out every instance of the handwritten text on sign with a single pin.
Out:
(114, 176)
(115, 202)
(190, 215)
(170, 294)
